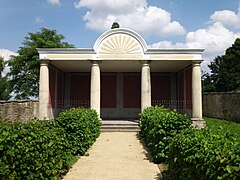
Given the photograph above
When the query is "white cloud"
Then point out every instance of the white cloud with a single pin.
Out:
(39, 19)
(6, 54)
(54, 2)
(167, 44)
(133, 14)
(215, 39)
(227, 17)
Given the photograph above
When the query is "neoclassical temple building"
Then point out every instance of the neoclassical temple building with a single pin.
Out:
(119, 77)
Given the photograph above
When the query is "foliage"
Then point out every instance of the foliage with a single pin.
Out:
(4, 82)
(158, 126)
(115, 25)
(45, 149)
(214, 124)
(207, 83)
(82, 127)
(201, 154)
(225, 70)
(24, 68)
(35, 150)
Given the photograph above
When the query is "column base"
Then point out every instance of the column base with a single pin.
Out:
(198, 123)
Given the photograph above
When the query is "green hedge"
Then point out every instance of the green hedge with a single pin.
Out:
(82, 128)
(158, 126)
(35, 150)
(200, 154)
(44, 149)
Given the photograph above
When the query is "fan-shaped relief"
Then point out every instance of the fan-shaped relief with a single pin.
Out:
(120, 45)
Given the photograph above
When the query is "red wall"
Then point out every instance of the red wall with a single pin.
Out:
(189, 84)
(180, 85)
(132, 90)
(161, 86)
(53, 89)
(80, 87)
(52, 80)
(184, 81)
(108, 90)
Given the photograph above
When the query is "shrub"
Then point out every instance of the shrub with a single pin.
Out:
(200, 154)
(34, 150)
(82, 127)
(158, 126)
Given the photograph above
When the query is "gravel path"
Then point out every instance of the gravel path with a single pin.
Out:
(115, 155)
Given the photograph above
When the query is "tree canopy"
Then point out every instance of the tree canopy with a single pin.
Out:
(24, 68)
(225, 71)
(4, 82)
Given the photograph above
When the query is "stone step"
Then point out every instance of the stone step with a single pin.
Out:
(120, 130)
(119, 125)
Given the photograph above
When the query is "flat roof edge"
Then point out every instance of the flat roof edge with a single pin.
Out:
(174, 51)
(66, 50)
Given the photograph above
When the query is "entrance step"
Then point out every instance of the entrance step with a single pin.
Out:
(120, 125)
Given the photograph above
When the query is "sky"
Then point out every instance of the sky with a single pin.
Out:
(209, 24)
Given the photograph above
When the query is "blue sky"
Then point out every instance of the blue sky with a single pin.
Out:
(209, 24)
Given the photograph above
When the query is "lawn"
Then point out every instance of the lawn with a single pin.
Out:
(226, 126)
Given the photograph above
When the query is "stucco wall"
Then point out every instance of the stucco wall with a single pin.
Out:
(222, 105)
(19, 109)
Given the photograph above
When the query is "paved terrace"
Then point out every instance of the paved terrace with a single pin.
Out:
(115, 155)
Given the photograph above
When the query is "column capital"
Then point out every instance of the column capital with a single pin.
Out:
(196, 62)
(145, 62)
(95, 62)
(44, 62)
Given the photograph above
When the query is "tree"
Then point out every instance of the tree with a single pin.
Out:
(4, 83)
(24, 68)
(207, 84)
(115, 25)
(225, 70)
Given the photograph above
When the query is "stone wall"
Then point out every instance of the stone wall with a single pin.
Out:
(19, 110)
(222, 105)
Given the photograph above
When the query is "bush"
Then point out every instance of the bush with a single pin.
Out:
(200, 154)
(158, 126)
(82, 127)
(35, 150)
(44, 149)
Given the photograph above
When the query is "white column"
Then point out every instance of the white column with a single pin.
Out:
(95, 87)
(145, 85)
(197, 119)
(44, 90)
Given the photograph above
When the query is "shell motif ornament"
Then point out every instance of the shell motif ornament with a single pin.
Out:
(120, 45)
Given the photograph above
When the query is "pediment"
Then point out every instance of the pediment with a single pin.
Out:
(119, 44)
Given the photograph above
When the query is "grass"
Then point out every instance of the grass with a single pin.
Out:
(226, 126)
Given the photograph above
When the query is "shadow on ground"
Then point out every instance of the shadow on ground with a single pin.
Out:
(164, 173)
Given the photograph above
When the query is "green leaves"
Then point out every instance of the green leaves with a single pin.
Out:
(82, 128)
(24, 68)
(225, 70)
(29, 150)
(200, 154)
(44, 149)
(158, 126)
(5, 88)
